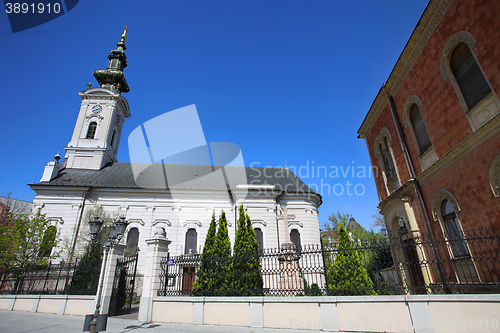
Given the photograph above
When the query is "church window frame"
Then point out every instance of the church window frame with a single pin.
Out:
(261, 236)
(113, 139)
(494, 176)
(478, 110)
(191, 241)
(384, 154)
(91, 130)
(296, 234)
(132, 249)
(425, 151)
(445, 210)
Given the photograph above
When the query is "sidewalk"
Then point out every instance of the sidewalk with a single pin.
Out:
(23, 322)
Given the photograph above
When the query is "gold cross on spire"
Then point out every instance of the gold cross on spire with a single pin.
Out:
(124, 35)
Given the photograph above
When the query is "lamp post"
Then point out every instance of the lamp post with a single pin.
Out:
(116, 232)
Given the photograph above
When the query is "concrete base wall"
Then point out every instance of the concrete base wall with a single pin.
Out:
(412, 313)
(60, 304)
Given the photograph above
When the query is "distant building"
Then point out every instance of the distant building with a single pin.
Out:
(433, 132)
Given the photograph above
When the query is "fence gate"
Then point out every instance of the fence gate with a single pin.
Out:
(123, 286)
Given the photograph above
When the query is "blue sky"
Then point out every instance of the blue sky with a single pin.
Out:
(284, 80)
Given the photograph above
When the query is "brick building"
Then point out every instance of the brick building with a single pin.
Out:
(433, 134)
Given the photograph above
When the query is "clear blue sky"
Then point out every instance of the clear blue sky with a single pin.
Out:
(285, 80)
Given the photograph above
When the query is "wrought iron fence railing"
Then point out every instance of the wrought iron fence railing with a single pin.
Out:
(78, 278)
(409, 264)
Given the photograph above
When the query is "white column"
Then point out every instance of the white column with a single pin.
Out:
(110, 268)
(156, 250)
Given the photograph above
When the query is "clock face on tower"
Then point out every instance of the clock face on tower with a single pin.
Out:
(96, 108)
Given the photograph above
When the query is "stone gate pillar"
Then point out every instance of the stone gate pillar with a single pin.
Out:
(156, 250)
(116, 252)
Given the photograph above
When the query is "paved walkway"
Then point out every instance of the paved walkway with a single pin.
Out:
(23, 322)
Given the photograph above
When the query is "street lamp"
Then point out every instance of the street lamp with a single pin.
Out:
(116, 232)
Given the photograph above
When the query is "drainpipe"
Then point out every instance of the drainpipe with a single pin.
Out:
(416, 185)
(79, 221)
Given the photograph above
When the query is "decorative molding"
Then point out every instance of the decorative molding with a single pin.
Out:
(477, 138)
(192, 222)
(138, 221)
(161, 221)
(438, 198)
(257, 222)
(56, 219)
(295, 223)
(459, 37)
(379, 140)
(150, 207)
(494, 176)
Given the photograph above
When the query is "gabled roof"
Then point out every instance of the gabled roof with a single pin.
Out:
(165, 176)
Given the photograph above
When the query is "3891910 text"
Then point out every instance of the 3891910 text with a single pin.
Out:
(32, 8)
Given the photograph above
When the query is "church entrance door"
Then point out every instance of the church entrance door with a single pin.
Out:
(188, 274)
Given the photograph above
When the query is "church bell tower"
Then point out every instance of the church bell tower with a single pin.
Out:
(102, 114)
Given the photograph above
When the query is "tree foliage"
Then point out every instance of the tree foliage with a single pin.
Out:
(206, 274)
(348, 276)
(27, 241)
(223, 252)
(247, 279)
(331, 226)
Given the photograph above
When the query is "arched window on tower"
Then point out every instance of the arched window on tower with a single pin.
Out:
(260, 239)
(112, 138)
(295, 239)
(468, 75)
(132, 241)
(191, 240)
(48, 242)
(91, 131)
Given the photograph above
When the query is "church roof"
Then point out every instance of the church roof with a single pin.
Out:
(159, 176)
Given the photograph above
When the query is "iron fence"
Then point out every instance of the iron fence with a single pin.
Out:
(408, 264)
(78, 278)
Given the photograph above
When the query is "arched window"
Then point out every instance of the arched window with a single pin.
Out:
(454, 230)
(260, 239)
(48, 242)
(384, 155)
(418, 125)
(112, 138)
(132, 241)
(468, 75)
(295, 238)
(191, 238)
(91, 130)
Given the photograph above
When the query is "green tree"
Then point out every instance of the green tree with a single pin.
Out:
(348, 276)
(222, 281)
(247, 279)
(86, 277)
(27, 241)
(331, 227)
(207, 272)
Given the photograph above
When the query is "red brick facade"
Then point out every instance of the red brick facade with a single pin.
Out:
(464, 153)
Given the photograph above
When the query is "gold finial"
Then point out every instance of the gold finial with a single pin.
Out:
(124, 36)
(89, 85)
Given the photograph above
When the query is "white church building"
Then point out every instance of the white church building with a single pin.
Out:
(179, 198)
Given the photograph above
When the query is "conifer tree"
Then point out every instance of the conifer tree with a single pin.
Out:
(223, 256)
(240, 281)
(207, 271)
(255, 271)
(347, 276)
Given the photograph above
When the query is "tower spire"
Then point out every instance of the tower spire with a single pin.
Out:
(112, 77)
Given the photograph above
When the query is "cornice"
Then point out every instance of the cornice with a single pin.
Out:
(477, 138)
(426, 26)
